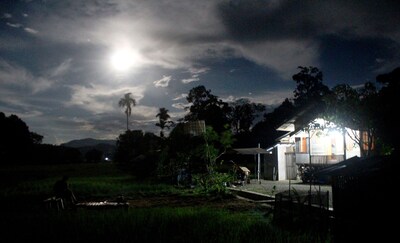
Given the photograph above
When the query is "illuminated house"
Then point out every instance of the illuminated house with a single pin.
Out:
(308, 142)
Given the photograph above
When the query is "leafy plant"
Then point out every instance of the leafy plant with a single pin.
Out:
(213, 183)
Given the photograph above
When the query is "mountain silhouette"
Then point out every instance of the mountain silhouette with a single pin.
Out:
(88, 142)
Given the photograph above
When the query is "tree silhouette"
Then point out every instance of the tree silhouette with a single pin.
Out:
(388, 101)
(310, 88)
(127, 101)
(265, 132)
(354, 108)
(206, 106)
(163, 120)
(243, 114)
(137, 151)
(16, 141)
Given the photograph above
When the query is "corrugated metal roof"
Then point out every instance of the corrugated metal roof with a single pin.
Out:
(251, 151)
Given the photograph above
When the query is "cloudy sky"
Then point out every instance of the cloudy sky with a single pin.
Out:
(64, 65)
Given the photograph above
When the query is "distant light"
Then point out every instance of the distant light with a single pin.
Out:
(106, 159)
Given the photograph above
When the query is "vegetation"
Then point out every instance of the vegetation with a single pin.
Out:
(22, 211)
(367, 109)
(138, 152)
(127, 101)
(163, 120)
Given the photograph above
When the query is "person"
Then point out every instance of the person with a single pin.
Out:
(61, 190)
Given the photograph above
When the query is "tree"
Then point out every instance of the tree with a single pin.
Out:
(138, 152)
(354, 108)
(93, 156)
(127, 101)
(310, 88)
(368, 120)
(388, 100)
(243, 114)
(215, 146)
(206, 106)
(265, 132)
(196, 154)
(16, 141)
(163, 120)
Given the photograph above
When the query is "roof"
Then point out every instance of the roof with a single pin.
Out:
(338, 168)
(355, 166)
(250, 151)
(301, 118)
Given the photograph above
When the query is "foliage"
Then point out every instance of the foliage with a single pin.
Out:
(164, 121)
(206, 106)
(127, 101)
(138, 151)
(178, 153)
(310, 88)
(93, 156)
(355, 109)
(55, 154)
(243, 114)
(215, 145)
(196, 154)
(214, 183)
(16, 142)
(265, 131)
(388, 105)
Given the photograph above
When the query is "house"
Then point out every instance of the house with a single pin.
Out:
(307, 142)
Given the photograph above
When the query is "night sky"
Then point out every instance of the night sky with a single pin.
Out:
(64, 65)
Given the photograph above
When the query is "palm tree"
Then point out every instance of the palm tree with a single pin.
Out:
(163, 120)
(127, 101)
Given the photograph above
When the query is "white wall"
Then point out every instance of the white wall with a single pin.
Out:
(281, 150)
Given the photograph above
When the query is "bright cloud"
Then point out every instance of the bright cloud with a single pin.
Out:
(31, 31)
(195, 73)
(14, 25)
(180, 106)
(163, 82)
(180, 97)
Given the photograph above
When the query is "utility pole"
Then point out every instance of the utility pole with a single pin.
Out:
(258, 165)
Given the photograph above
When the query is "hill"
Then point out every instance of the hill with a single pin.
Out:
(88, 142)
(107, 147)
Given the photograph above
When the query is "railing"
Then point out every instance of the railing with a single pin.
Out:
(303, 158)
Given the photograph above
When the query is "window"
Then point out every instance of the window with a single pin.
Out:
(365, 141)
(301, 145)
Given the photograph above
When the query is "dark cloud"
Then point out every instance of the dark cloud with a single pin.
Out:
(273, 20)
(255, 20)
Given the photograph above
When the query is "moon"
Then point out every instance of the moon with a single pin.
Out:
(123, 59)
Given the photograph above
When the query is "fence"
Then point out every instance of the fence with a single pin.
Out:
(302, 209)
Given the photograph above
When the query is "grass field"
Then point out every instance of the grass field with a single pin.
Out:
(25, 219)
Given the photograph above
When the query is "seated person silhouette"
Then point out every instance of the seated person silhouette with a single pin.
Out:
(62, 190)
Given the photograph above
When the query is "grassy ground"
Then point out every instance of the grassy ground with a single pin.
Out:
(25, 219)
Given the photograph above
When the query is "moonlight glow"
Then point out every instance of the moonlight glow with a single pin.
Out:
(123, 59)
